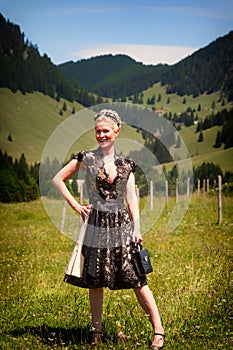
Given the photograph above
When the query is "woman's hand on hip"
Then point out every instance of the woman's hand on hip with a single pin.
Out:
(83, 210)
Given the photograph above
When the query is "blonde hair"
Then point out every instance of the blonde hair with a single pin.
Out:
(109, 115)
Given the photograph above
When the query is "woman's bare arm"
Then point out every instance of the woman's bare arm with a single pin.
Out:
(132, 202)
(59, 181)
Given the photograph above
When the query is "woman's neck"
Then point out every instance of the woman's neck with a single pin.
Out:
(108, 152)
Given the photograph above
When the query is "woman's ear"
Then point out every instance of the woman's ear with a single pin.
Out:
(116, 132)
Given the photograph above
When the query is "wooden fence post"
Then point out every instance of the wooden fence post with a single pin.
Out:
(166, 189)
(219, 199)
(188, 187)
(151, 196)
(177, 190)
(198, 186)
(207, 186)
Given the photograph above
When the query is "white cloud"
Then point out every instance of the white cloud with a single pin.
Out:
(147, 54)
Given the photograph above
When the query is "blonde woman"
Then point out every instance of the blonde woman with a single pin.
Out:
(111, 226)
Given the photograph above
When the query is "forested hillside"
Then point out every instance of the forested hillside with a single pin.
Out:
(24, 69)
(112, 76)
(208, 70)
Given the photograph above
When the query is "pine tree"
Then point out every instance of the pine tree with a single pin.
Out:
(199, 126)
(201, 137)
(218, 141)
(64, 107)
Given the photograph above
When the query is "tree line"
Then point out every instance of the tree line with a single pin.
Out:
(206, 71)
(224, 119)
(24, 69)
(18, 181)
(21, 182)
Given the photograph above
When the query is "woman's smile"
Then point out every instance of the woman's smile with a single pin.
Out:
(105, 135)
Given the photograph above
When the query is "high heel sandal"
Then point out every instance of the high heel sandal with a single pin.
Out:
(96, 337)
(159, 344)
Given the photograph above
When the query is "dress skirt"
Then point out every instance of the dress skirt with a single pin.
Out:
(102, 254)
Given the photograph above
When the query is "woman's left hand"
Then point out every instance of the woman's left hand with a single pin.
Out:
(137, 239)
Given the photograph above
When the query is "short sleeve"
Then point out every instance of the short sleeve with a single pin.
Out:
(132, 164)
(79, 156)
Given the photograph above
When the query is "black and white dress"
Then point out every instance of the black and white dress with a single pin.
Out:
(102, 254)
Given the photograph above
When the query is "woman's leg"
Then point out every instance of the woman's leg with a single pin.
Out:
(96, 297)
(147, 301)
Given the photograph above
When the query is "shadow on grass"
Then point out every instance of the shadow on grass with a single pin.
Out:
(59, 336)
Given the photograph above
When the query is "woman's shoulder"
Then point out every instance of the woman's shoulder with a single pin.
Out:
(84, 156)
(126, 162)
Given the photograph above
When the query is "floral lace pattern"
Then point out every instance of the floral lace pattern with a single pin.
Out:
(106, 246)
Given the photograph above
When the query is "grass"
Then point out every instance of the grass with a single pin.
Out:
(30, 120)
(191, 284)
(177, 104)
(204, 151)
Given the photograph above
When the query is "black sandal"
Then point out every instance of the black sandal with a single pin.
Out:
(158, 346)
(96, 337)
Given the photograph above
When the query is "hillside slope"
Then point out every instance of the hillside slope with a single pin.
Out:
(27, 122)
(112, 75)
(30, 120)
(208, 70)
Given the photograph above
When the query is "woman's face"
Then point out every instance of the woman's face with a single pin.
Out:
(105, 133)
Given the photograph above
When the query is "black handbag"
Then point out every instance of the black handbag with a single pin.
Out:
(141, 260)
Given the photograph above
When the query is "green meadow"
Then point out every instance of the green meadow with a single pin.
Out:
(178, 104)
(190, 282)
(31, 119)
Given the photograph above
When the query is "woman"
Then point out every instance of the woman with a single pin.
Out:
(111, 226)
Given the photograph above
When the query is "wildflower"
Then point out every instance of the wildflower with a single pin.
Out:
(212, 311)
(121, 335)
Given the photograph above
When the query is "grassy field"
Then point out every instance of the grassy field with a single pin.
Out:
(177, 105)
(30, 120)
(204, 151)
(191, 284)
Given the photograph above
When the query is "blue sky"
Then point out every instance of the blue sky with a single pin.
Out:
(150, 31)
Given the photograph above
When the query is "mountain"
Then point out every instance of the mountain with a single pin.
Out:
(207, 70)
(29, 113)
(24, 68)
(112, 75)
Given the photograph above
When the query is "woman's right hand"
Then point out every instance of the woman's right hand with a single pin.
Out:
(83, 210)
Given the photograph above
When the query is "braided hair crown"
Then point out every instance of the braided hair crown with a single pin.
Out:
(109, 113)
